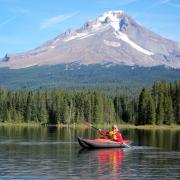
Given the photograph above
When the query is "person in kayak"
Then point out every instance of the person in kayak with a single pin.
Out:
(113, 134)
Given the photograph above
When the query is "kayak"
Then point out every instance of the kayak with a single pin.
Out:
(101, 143)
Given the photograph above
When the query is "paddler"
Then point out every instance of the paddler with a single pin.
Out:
(113, 134)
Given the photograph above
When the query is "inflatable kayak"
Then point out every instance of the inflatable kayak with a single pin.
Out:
(101, 143)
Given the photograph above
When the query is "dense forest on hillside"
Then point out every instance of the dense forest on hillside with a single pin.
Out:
(107, 78)
(160, 105)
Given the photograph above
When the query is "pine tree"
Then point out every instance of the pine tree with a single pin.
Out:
(151, 116)
(97, 108)
(87, 108)
(146, 108)
(7, 116)
(176, 102)
(118, 108)
(141, 108)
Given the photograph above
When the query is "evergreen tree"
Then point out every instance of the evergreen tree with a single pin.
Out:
(141, 108)
(118, 108)
(160, 111)
(151, 115)
(176, 101)
(161, 106)
(146, 108)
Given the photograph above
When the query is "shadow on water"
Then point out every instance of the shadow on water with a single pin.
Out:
(52, 129)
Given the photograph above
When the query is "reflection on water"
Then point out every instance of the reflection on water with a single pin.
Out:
(166, 139)
(48, 153)
(103, 162)
(108, 161)
(113, 158)
(135, 163)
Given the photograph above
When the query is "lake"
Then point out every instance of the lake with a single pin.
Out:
(53, 153)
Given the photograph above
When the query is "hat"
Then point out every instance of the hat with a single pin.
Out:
(114, 126)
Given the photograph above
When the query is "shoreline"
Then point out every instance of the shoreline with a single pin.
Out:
(121, 126)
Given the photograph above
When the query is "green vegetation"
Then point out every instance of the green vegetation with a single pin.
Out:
(107, 78)
(160, 105)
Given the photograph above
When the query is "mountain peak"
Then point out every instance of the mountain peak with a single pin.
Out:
(113, 36)
(116, 19)
(113, 15)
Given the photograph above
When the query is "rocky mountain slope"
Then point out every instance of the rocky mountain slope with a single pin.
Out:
(113, 37)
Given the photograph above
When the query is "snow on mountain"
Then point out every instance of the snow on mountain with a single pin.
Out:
(112, 37)
(125, 38)
(112, 43)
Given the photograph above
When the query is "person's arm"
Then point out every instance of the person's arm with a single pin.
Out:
(119, 137)
(103, 133)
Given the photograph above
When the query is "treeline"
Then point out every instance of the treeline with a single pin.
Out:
(160, 105)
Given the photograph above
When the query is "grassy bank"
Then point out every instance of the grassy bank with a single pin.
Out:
(177, 127)
(20, 124)
(107, 126)
(130, 126)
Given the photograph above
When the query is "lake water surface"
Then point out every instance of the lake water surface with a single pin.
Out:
(53, 153)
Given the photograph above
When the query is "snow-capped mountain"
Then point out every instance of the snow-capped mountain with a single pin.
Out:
(113, 37)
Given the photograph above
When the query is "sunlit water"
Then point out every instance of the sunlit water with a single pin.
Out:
(53, 153)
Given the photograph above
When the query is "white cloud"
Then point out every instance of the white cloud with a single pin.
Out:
(174, 5)
(8, 20)
(170, 3)
(17, 12)
(52, 21)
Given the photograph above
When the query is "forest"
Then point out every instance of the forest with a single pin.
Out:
(159, 104)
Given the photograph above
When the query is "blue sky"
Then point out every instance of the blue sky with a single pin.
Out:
(26, 24)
